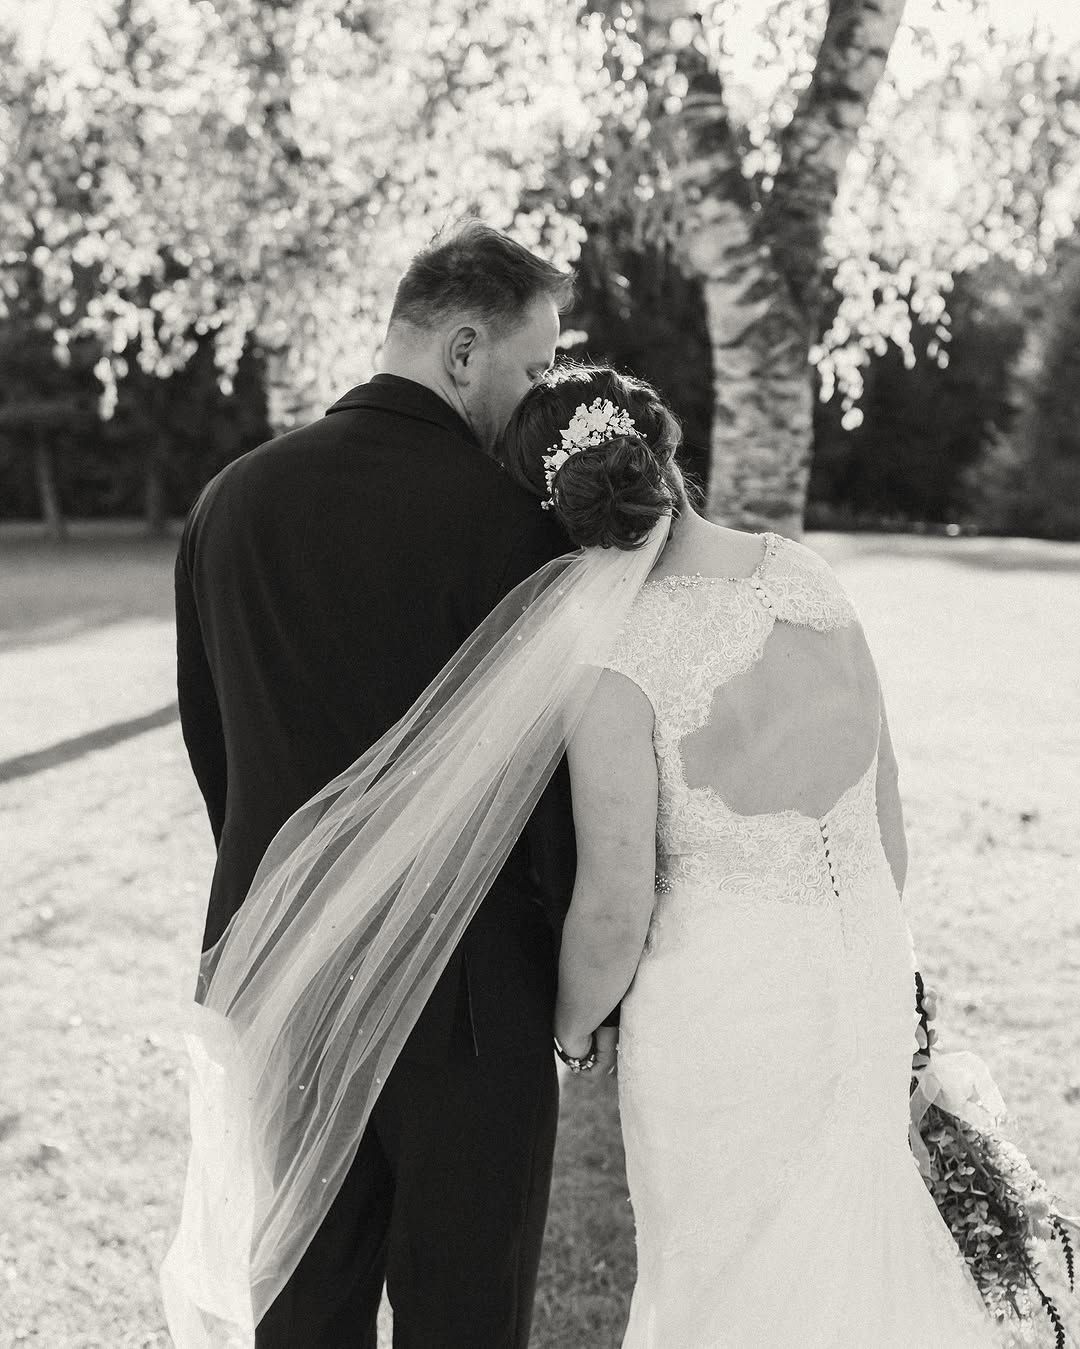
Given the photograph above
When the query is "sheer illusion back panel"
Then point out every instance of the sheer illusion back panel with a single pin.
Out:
(793, 731)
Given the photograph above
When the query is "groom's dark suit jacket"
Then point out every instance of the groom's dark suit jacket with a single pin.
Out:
(322, 581)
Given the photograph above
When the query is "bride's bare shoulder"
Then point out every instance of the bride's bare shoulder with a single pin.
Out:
(698, 547)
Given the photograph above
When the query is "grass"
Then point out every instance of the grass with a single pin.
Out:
(103, 573)
(109, 857)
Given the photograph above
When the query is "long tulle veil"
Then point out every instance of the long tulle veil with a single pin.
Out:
(307, 999)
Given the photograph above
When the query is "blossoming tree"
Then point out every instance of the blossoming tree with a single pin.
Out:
(294, 155)
(823, 197)
(262, 172)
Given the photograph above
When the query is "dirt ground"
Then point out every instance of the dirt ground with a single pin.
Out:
(108, 857)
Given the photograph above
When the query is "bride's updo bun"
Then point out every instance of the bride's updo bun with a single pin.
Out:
(608, 495)
(611, 496)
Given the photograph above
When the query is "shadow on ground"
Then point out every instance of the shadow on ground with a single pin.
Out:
(64, 751)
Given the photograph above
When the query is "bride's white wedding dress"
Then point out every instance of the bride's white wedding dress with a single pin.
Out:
(766, 1040)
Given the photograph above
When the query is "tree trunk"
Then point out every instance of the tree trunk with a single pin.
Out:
(762, 263)
(816, 143)
(158, 453)
(154, 512)
(760, 444)
(48, 496)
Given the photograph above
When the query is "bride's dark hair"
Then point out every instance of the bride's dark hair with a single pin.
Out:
(612, 494)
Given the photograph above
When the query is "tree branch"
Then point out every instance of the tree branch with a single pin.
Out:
(817, 141)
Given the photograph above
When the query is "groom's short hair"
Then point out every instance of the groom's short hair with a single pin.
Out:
(479, 272)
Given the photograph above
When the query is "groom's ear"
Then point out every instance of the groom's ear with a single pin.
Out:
(459, 349)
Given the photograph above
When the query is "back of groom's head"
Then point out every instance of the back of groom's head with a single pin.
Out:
(472, 270)
(476, 319)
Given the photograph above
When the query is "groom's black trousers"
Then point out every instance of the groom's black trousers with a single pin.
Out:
(446, 1201)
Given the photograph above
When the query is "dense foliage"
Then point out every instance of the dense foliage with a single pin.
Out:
(200, 229)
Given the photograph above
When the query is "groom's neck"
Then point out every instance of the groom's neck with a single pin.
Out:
(419, 366)
(422, 363)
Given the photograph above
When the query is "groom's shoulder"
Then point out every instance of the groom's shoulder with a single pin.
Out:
(411, 448)
(283, 460)
(238, 476)
(268, 471)
(496, 503)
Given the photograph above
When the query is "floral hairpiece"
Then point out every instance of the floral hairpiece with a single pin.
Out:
(600, 421)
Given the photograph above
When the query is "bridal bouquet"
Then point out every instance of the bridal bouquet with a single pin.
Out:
(998, 1208)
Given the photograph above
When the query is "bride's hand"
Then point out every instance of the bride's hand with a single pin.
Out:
(577, 1046)
(607, 1041)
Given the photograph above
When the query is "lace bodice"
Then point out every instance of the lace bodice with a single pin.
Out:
(686, 638)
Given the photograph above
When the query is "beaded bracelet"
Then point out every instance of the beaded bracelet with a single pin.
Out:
(584, 1064)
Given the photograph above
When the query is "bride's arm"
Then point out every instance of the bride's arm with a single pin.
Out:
(614, 788)
(889, 809)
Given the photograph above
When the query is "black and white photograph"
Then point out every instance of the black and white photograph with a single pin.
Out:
(540, 674)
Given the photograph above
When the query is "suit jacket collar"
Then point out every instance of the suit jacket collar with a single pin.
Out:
(392, 393)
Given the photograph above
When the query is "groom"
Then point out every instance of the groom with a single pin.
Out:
(322, 581)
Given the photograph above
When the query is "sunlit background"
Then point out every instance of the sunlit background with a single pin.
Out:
(232, 198)
(61, 29)
(857, 282)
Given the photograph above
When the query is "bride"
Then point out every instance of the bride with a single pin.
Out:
(737, 744)
(740, 859)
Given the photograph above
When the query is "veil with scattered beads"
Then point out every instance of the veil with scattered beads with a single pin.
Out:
(363, 894)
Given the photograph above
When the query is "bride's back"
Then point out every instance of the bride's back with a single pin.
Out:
(762, 685)
(795, 730)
